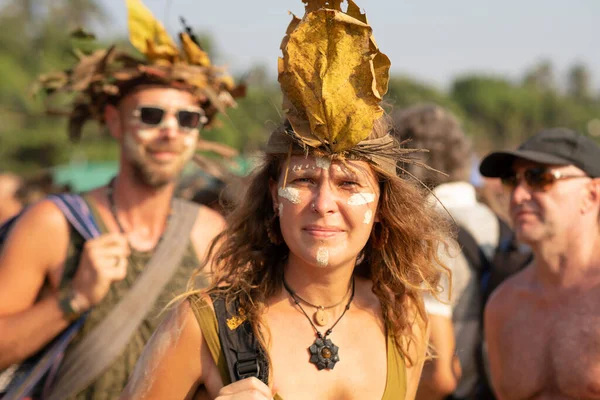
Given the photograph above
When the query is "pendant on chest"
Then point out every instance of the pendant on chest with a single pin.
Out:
(320, 317)
(324, 354)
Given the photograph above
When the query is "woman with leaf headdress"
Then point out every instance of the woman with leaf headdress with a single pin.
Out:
(320, 272)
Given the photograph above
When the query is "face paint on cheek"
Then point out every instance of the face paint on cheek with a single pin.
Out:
(189, 140)
(280, 209)
(368, 216)
(322, 257)
(293, 195)
(359, 199)
(145, 134)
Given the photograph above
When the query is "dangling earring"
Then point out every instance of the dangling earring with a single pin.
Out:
(273, 230)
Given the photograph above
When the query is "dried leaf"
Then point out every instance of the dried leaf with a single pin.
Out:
(84, 72)
(332, 76)
(160, 54)
(147, 34)
(81, 33)
(291, 27)
(194, 54)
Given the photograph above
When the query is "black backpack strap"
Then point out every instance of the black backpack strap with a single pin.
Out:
(473, 253)
(245, 358)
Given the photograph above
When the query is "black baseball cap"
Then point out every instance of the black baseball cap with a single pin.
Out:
(556, 146)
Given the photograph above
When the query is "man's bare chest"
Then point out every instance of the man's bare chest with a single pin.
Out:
(555, 347)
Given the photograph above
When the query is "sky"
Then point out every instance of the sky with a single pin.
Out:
(434, 41)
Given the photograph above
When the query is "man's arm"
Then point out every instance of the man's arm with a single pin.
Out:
(34, 253)
(36, 245)
(171, 365)
(441, 374)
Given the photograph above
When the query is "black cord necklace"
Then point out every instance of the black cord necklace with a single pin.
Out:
(113, 210)
(320, 317)
(323, 353)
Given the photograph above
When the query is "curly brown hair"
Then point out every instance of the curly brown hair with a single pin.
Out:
(431, 127)
(247, 264)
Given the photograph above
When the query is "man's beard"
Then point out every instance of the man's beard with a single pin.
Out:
(150, 172)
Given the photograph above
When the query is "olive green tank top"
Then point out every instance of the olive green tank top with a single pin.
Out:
(111, 383)
(395, 388)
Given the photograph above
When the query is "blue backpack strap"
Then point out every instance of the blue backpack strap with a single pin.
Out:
(77, 213)
(80, 217)
(74, 208)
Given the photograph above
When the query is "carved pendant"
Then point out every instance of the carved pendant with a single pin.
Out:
(324, 354)
(320, 317)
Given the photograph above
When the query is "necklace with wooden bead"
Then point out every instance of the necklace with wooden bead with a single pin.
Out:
(320, 317)
(324, 354)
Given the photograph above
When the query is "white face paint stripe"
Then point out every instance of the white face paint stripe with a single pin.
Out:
(323, 162)
(322, 257)
(368, 216)
(358, 199)
(146, 134)
(280, 208)
(291, 194)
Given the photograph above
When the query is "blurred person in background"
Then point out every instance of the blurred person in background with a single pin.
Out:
(542, 324)
(455, 326)
(10, 205)
(155, 107)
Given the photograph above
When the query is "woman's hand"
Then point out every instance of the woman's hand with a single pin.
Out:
(246, 389)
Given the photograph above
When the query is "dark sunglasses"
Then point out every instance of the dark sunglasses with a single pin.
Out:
(537, 178)
(154, 116)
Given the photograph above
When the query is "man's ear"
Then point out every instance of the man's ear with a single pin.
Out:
(591, 200)
(112, 119)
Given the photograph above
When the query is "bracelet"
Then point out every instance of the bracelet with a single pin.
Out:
(65, 301)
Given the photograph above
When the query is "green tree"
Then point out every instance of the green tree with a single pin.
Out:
(579, 83)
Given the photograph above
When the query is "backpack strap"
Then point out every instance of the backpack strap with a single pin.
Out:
(78, 213)
(205, 316)
(103, 344)
(472, 252)
(245, 358)
(27, 378)
(75, 210)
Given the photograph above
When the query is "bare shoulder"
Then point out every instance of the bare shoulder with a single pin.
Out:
(45, 215)
(507, 295)
(35, 250)
(209, 222)
(208, 225)
(41, 231)
(171, 363)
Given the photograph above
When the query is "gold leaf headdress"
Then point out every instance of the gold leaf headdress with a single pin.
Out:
(332, 75)
(333, 78)
(107, 74)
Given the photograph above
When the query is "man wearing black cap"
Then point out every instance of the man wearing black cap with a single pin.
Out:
(542, 325)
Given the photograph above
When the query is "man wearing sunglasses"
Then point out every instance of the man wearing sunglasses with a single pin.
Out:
(542, 325)
(156, 108)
